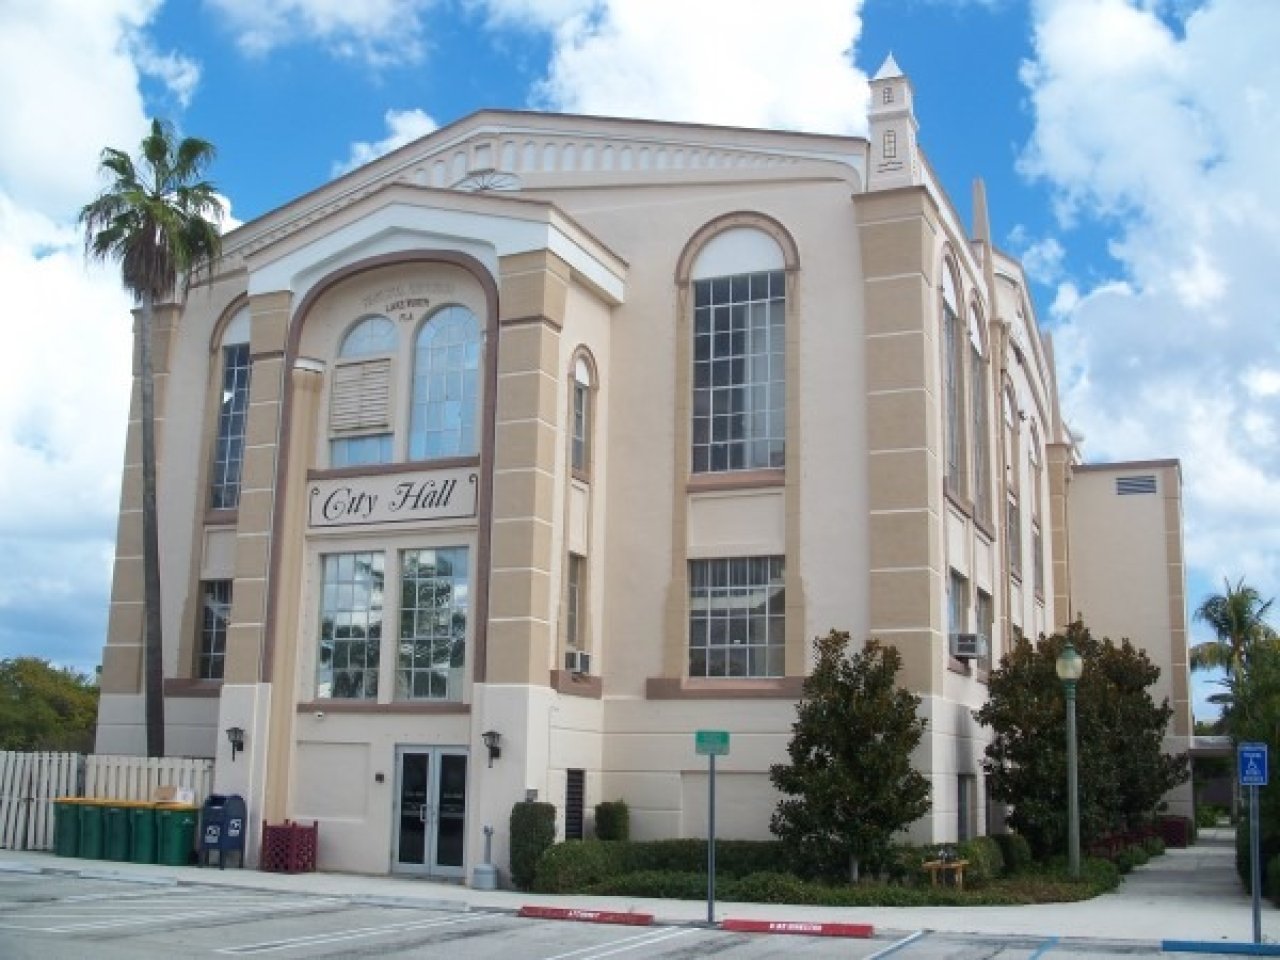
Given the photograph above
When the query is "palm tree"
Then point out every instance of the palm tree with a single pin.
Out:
(1238, 618)
(159, 219)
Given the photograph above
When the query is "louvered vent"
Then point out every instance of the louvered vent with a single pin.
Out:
(1128, 486)
(361, 395)
(574, 796)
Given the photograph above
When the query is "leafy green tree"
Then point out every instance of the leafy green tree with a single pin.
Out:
(850, 784)
(43, 707)
(1252, 715)
(159, 218)
(1238, 617)
(1123, 771)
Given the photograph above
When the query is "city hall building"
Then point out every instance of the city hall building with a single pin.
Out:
(499, 466)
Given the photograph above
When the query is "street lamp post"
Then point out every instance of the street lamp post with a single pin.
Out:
(1069, 666)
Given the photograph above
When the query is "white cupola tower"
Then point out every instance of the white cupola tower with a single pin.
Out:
(891, 119)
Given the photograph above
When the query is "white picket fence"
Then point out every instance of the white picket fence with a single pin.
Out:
(30, 782)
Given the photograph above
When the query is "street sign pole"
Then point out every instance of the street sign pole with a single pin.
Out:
(1252, 767)
(711, 843)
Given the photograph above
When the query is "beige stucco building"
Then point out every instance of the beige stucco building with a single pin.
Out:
(577, 431)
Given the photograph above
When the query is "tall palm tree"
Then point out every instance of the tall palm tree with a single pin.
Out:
(1238, 618)
(159, 219)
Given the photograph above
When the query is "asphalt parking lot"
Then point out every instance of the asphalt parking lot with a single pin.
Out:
(49, 916)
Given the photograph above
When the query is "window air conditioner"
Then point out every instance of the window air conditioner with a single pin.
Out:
(968, 646)
(577, 661)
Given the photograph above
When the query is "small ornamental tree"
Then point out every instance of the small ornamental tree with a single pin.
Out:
(850, 784)
(1123, 771)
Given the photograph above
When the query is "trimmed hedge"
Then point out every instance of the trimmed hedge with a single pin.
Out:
(613, 820)
(533, 831)
(1016, 852)
(986, 861)
(576, 864)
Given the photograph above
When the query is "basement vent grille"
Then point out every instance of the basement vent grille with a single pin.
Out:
(1128, 486)
(574, 802)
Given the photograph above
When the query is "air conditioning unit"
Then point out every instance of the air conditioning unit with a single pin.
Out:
(577, 661)
(968, 646)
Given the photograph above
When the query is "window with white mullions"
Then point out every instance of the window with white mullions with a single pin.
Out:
(739, 372)
(350, 626)
(215, 608)
(573, 636)
(233, 413)
(737, 617)
(434, 602)
(446, 386)
(580, 442)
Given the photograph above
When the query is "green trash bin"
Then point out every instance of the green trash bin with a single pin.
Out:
(176, 829)
(66, 827)
(115, 830)
(142, 833)
(90, 845)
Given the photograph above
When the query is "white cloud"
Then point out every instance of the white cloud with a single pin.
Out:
(179, 74)
(376, 31)
(403, 126)
(714, 61)
(1041, 258)
(1168, 138)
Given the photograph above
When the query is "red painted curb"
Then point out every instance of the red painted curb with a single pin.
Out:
(588, 916)
(800, 927)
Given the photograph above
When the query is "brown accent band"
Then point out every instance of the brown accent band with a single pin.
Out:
(267, 355)
(577, 684)
(736, 480)
(383, 469)
(221, 518)
(484, 506)
(361, 706)
(736, 688)
(532, 321)
(192, 689)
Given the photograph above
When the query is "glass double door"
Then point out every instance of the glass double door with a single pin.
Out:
(431, 811)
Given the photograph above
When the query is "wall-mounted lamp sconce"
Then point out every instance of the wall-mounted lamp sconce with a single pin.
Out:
(236, 736)
(491, 740)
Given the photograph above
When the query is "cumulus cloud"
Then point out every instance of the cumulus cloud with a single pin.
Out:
(376, 31)
(1165, 133)
(403, 126)
(64, 372)
(712, 62)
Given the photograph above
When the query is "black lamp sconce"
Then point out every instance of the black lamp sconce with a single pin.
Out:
(491, 740)
(236, 736)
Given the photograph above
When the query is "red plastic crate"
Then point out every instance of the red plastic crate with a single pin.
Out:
(289, 847)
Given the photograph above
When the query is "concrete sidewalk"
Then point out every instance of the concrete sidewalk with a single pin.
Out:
(1190, 894)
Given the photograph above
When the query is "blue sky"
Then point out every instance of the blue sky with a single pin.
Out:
(1128, 148)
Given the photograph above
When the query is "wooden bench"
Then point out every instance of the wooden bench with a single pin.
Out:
(952, 868)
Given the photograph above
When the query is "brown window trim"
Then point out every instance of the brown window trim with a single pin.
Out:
(737, 480)
(222, 518)
(577, 685)
(985, 527)
(727, 688)
(404, 466)
(401, 706)
(582, 476)
(191, 688)
(960, 502)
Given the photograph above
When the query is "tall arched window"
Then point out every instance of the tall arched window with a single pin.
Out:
(360, 403)
(739, 353)
(582, 416)
(981, 428)
(952, 383)
(446, 386)
(233, 413)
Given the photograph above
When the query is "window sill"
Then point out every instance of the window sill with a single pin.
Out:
(583, 685)
(582, 476)
(728, 688)
(960, 502)
(222, 518)
(184, 688)
(986, 527)
(957, 666)
(736, 480)
(372, 706)
(400, 466)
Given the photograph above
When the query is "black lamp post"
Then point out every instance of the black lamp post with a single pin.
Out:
(1069, 666)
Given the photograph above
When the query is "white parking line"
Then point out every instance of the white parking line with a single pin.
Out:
(645, 939)
(318, 939)
(39, 924)
(895, 947)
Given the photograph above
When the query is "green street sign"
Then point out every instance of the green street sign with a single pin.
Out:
(711, 743)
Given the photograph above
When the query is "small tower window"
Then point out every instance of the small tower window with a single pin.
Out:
(890, 144)
(887, 96)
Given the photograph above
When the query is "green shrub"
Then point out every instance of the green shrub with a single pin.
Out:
(613, 820)
(575, 865)
(1130, 857)
(903, 863)
(986, 862)
(734, 858)
(670, 884)
(767, 887)
(1271, 879)
(1015, 851)
(533, 830)
(1208, 814)
(1154, 846)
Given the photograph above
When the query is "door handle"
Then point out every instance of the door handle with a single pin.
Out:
(422, 813)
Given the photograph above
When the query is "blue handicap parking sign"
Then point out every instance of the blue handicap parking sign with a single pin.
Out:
(1253, 764)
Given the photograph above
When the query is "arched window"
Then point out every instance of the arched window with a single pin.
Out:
(582, 416)
(981, 429)
(952, 383)
(739, 353)
(446, 386)
(360, 402)
(233, 413)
